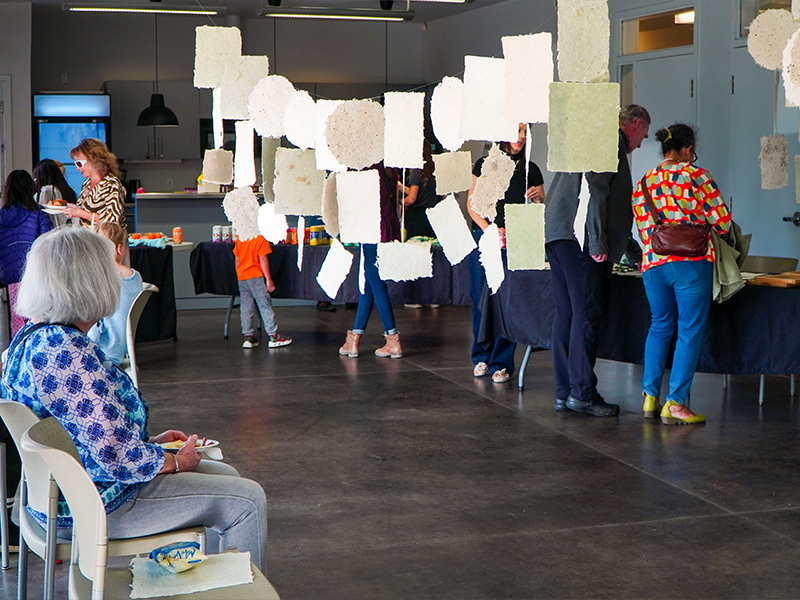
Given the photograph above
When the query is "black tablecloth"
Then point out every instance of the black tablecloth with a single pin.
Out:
(213, 272)
(752, 333)
(159, 320)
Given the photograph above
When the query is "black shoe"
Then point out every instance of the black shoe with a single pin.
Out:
(326, 307)
(597, 407)
(560, 405)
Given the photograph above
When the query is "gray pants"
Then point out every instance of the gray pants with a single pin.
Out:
(215, 496)
(254, 292)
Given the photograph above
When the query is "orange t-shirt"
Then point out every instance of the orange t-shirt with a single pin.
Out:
(248, 254)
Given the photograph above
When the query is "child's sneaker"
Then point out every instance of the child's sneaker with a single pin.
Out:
(250, 341)
(278, 340)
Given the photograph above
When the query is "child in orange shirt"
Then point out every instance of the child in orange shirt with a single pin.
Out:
(252, 267)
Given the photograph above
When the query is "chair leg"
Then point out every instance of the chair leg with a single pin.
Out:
(201, 539)
(22, 570)
(228, 317)
(50, 548)
(522, 367)
(761, 381)
(4, 504)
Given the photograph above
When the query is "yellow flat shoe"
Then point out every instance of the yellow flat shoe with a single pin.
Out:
(669, 419)
(651, 406)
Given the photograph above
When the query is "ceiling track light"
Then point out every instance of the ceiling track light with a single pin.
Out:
(162, 8)
(348, 14)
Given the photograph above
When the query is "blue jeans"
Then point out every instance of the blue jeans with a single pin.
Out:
(499, 352)
(679, 294)
(375, 292)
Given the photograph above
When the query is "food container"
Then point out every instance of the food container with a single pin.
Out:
(216, 233)
(227, 234)
(177, 235)
(292, 235)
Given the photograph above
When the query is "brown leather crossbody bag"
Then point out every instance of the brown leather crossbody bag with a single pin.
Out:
(685, 239)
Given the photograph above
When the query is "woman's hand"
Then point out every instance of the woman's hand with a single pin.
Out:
(535, 194)
(187, 458)
(171, 435)
(73, 211)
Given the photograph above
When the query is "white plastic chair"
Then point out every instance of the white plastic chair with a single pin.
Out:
(35, 492)
(4, 504)
(134, 314)
(89, 576)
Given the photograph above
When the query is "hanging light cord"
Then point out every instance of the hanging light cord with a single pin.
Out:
(156, 43)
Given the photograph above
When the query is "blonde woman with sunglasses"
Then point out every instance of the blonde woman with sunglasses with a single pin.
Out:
(102, 197)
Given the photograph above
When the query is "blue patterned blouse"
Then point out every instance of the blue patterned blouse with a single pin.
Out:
(58, 371)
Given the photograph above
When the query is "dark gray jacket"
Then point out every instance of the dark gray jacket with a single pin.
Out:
(609, 217)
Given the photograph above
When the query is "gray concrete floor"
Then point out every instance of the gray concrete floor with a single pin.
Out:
(410, 479)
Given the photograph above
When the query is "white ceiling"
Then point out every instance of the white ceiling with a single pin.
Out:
(424, 11)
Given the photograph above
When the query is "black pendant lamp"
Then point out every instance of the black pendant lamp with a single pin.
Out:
(157, 114)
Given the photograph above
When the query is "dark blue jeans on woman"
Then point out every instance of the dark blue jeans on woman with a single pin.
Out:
(679, 294)
(499, 352)
(375, 292)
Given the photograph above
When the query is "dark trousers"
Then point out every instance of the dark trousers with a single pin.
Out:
(499, 352)
(578, 295)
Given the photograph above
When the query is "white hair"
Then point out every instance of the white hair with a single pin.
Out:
(70, 277)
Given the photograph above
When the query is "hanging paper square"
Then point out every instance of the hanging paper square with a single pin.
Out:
(582, 133)
(774, 161)
(359, 199)
(529, 73)
(218, 167)
(584, 31)
(334, 269)
(298, 183)
(492, 258)
(451, 230)
(268, 148)
(405, 262)
(525, 236)
(213, 45)
(483, 109)
(244, 161)
(453, 171)
(241, 76)
(300, 120)
(330, 206)
(404, 129)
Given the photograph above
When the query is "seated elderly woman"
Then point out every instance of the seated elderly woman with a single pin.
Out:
(71, 282)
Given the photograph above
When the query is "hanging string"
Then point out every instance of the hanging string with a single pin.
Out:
(275, 46)
(775, 112)
(403, 209)
(204, 8)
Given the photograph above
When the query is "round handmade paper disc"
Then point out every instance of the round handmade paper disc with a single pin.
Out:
(354, 132)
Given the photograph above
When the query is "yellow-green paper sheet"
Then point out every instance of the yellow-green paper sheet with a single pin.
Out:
(525, 236)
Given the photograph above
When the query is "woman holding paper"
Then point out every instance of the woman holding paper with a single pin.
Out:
(678, 287)
(497, 356)
(71, 282)
(375, 290)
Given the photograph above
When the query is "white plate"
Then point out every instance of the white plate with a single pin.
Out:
(51, 209)
(175, 446)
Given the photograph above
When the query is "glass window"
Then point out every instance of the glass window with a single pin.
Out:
(750, 9)
(657, 32)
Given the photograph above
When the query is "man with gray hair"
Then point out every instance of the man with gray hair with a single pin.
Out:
(580, 273)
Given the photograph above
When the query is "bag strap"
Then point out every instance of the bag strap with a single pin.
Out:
(648, 200)
(20, 338)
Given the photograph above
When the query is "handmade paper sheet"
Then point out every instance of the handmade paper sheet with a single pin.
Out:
(301, 235)
(362, 277)
(330, 206)
(271, 225)
(453, 171)
(244, 162)
(404, 129)
(334, 269)
(582, 130)
(529, 73)
(325, 160)
(796, 10)
(359, 198)
(491, 257)
(405, 262)
(451, 229)
(446, 103)
(151, 580)
(218, 166)
(268, 148)
(769, 33)
(216, 118)
(213, 46)
(241, 76)
(354, 132)
(774, 161)
(525, 236)
(483, 109)
(298, 183)
(584, 31)
(241, 208)
(791, 69)
(496, 173)
(300, 120)
(267, 104)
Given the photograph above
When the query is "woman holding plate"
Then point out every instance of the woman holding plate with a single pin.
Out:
(70, 283)
(102, 197)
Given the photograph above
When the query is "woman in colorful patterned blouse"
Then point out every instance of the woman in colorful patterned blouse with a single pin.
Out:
(71, 282)
(678, 288)
(102, 197)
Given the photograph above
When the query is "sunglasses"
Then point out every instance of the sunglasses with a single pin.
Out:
(81, 163)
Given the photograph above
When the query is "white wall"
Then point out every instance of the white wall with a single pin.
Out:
(15, 60)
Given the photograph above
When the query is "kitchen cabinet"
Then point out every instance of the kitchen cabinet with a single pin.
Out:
(131, 142)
